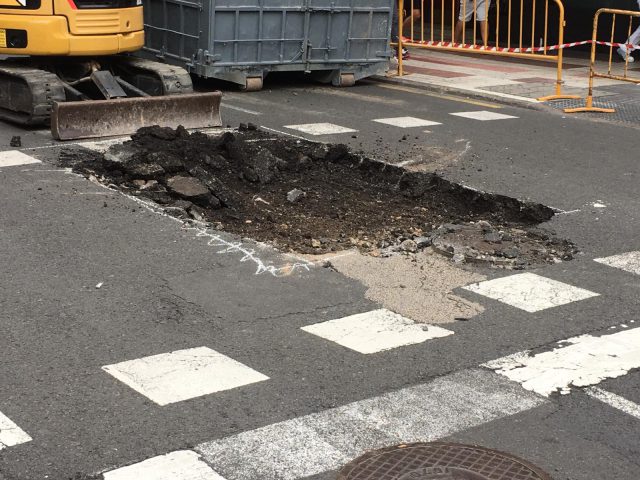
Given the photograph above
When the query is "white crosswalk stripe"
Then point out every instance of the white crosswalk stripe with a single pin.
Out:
(14, 158)
(629, 262)
(375, 331)
(530, 292)
(179, 465)
(325, 441)
(183, 374)
(615, 401)
(484, 115)
(10, 433)
(320, 128)
(577, 362)
(406, 122)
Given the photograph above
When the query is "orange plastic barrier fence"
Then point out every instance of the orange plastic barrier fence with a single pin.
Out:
(512, 28)
(611, 44)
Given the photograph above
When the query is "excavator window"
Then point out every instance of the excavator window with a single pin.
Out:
(22, 5)
(95, 4)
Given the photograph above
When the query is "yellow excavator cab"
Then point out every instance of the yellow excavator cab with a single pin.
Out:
(70, 27)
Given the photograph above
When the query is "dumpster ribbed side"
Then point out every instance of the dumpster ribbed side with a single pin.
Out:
(237, 39)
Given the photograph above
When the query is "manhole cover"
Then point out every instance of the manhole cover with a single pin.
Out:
(439, 461)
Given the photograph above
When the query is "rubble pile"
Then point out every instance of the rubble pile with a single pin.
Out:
(314, 198)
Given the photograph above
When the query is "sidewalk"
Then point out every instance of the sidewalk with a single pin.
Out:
(521, 80)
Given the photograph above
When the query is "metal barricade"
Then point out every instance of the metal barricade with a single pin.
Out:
(517, 28)
(611, 44)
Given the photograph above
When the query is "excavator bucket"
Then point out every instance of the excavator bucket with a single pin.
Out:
(124, 116)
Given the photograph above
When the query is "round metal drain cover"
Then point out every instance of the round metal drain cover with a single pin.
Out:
(439, 461)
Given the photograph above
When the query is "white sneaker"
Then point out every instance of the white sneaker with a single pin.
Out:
(623, 53)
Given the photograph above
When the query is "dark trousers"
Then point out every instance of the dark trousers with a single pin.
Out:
(394, 22)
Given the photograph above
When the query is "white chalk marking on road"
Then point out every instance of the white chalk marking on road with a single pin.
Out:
(615, 401)
(407, 122)
(240, 109)
(585, 361)
(530, 292)
(629, 262)
(483, 115)
(13, 158)
(178, 465)
(321, 128)
(598, 205)
(411, 161)
(225, 246)
(559, 211)
(183, 374)
(10, 433)
(375, 331)
(325, 441)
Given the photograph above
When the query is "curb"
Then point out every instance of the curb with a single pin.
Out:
(460, 92)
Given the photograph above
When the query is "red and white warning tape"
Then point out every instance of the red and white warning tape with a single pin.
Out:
(470, 46)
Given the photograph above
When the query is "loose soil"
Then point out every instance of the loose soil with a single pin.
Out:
(307, 197)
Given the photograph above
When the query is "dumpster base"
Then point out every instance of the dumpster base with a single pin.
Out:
(251, 79)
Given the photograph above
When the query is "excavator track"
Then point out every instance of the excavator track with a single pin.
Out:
(27, 94)
(102, 96)
(153, 77)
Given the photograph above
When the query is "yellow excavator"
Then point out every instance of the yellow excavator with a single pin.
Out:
(69, 62)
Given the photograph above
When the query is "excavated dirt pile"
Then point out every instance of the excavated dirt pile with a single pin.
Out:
(314, 198)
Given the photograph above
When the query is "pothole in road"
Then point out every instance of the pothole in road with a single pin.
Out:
(312, 198)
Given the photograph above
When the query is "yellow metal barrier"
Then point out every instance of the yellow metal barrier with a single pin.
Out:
(611, 44)
(521, 35)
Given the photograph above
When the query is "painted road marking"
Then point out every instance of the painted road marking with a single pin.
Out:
(483, 115)
(629, 262)
(13, 158)
(407, 122)
(453, 98)
(102, 146)
(320, 128)
(585, 361)
(375, 331)
(615, 401)
(183, 374)
(179, 465)
(240, 109)
(530, 292)
(325, 441)
(10, 433)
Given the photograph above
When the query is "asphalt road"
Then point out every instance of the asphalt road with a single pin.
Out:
(92, 279)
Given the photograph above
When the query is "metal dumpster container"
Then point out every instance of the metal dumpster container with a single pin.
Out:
(241, 41)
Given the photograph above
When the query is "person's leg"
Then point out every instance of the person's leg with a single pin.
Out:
(457, 35)
(466, 14)
(394, 23)
(483, 18)
(634, 39)
(484, 32)
(414, 17)
(625, 51)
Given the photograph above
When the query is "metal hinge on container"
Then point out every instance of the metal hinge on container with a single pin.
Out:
(204, 57)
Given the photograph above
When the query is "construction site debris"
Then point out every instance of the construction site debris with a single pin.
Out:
(308, 197)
